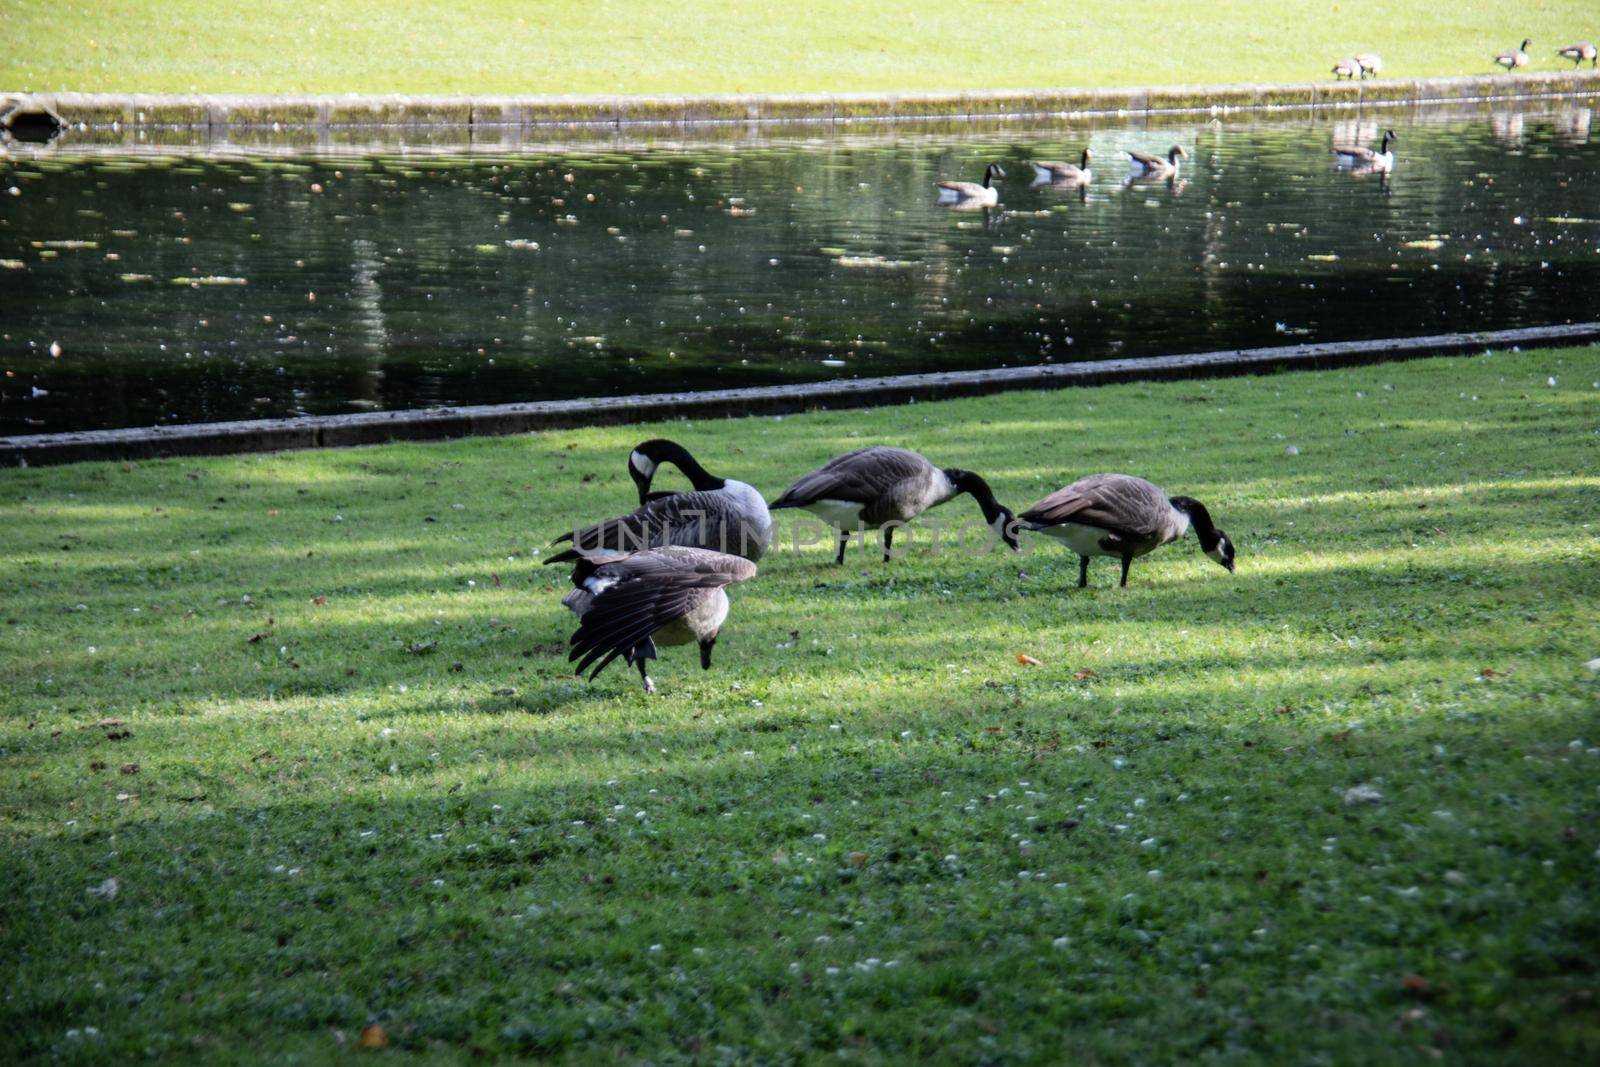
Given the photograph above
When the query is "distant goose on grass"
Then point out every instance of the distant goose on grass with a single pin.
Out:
(1579, 53)
(721, 514)
(628, 605)
(1123, 516)
(1347, 68)
(1513, 58)
(972, 192)
(1359, 157)
(876, 486)
(1047, 171)
(1371, 63)
(1144, 165)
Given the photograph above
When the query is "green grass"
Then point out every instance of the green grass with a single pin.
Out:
(694, 46)
(396, 806)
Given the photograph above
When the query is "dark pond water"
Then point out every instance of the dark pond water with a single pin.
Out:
(140, 290)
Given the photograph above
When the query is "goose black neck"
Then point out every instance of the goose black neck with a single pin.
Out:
(1199, 518)
(1383, 149)
(967, 482)
(1083, 162)
(1172, 156)
(988, 173)
(661, 451)
(1526, 41)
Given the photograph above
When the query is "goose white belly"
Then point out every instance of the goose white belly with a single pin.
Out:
(1084, 540)
(845, 514)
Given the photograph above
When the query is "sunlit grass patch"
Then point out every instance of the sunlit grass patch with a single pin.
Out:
(331, 754)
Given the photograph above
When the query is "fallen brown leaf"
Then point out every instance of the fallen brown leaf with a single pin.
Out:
(103, 722)
(128, 768)
(253, 638)
(1027, 660)
(1416, 985)
(319, 600)
(1490, 672)
(858, 859)
(1084, 675)
(372, 1037)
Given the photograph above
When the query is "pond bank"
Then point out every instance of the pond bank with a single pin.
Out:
(222, 112)
(338, 431)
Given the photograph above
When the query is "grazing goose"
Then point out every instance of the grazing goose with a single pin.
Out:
(874, 487)
(1360, 157)
(1513, 58)
(1347, 68)
(628, 605)
(1120, 515)
(720, 514)
(1579, 52)
(1046, 171)
(972, 192)
(1145, 165)
(1369, 62)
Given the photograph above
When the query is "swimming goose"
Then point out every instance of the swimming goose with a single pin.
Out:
(720, 514)
(879, 487)
(1360, 157)
(1120, 515)
(628, 605)
(1369, 62)
(972, 192)
(1514, 57)
(1347, 68)
(1046, 171)
(1148, 166)
(1578, 53)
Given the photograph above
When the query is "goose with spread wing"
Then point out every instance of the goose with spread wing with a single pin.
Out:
(631, 603)
(1125, 517)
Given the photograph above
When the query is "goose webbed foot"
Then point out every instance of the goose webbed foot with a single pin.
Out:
(1126, 562)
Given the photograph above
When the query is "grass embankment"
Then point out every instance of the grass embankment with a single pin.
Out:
(690, 46)
(869, 829)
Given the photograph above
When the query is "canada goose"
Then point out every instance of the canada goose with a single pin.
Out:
(1120, 515)
(877, 487)
(628, 605)
(1046, 171)
(1369, 62)
(972, 192)
(1578, 53)
(1347, 68)
(1363, 158)
(1514, 57)
(647, 457)
(721, 514)
(1148, 166)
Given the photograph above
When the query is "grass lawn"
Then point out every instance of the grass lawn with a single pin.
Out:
(343, 777)
(696, 46)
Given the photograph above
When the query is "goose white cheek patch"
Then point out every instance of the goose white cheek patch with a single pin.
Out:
(643, 464)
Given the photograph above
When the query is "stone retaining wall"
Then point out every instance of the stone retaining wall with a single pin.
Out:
(222, 112)
(330, 431)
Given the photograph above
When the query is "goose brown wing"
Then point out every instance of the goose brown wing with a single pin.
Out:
(1147, 159)
(1355, 151)
(652, 590)
(692, 519)
(864, 476)
(1119, 503)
